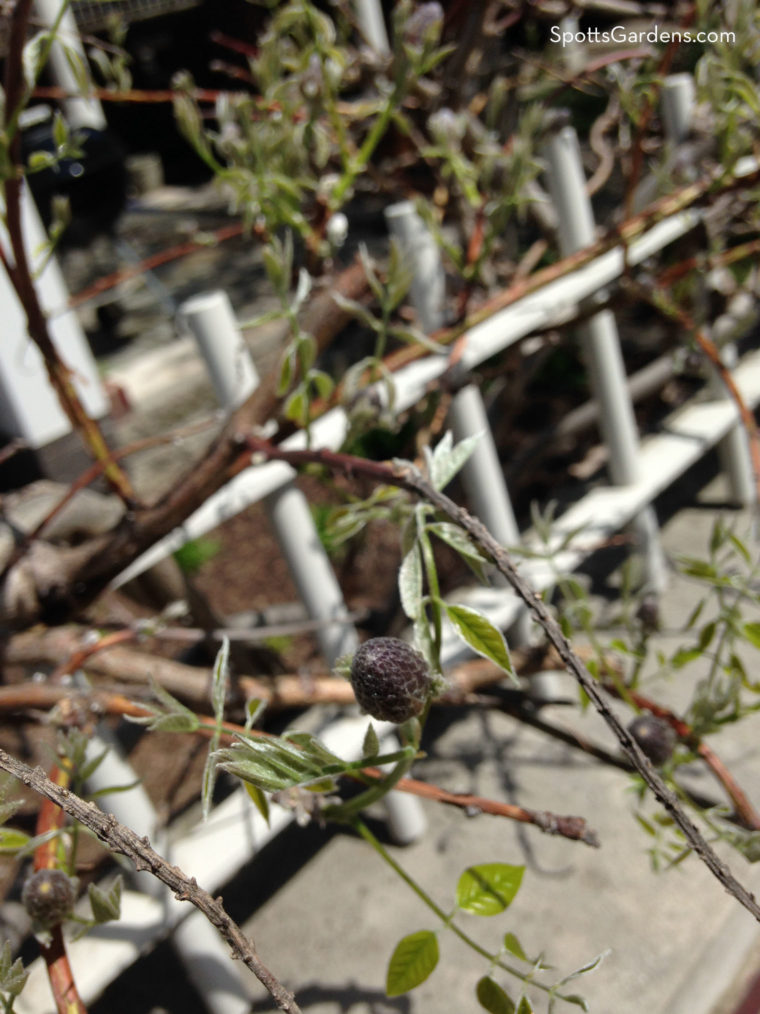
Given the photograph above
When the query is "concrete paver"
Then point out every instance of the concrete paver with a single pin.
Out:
(677, 942)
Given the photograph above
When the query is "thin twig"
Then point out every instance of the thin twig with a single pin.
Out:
(123, 841)
(406, 476)
(62, 983)
(46, 696)
(662, 302)
(574, 828)
(745, 812)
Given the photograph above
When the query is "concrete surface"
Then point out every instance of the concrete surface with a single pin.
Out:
(678, 944)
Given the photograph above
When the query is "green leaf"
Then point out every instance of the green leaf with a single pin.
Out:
(575, 999)
(752, 633)
(322, 383)
(356, 309)
(513, 945)
(481, 635)
(455, 537)
(12, 841)
(221, 676)
(446, 460)
(60, 130)
(706, 635)
(296, 407)
(220, 680)
(683, 656)
(489, 888)
(371, 744)
(171, 716)
(492, 997)
(105, 905)
(260, 801)
(272, 763)
(13, 975)
(411, 963)
(410, 582)
(524, 1006)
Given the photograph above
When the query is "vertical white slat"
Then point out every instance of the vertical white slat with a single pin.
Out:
(29, 407)
(204, 955)
(211, 320)
(369, 14)
(601, 345)
(678, 101)
(81, 111)
(482, 475)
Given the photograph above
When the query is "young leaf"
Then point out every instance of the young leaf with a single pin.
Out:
(524, 1006)
(410, 582)
(13, 975)
(455, 537)
(12, 841)
(481, 635)
(371, 744)
(492, 997)
(220, 679)
(173, 716)
(105, 905)
(411, 963)
(513, 945)
(446, 460)
(752, 633)
(489, 888)
(260, 801)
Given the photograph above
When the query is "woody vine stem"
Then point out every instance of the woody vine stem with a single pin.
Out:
(143, 856)
(406, 476)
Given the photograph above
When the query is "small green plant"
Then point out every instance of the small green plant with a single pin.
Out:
(195, 552)
(13, 978)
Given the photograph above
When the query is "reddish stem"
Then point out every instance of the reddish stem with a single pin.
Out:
(51, 818)
(744, 809)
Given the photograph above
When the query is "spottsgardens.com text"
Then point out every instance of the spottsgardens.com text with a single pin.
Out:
(619, 34)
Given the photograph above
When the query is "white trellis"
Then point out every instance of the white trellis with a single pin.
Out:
(640, 469)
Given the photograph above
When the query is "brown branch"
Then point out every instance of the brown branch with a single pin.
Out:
(574, 828)
(46, 696)
(138, 851)
(149, 263)
(668, 308)
(20, 275)
(109, 657)
(406, 476)
(66, 578)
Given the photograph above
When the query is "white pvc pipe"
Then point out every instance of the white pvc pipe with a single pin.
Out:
(599, 338)
(428, 288)
(482, 474)
(678, 97)
(210, 319)
(310, 568)
(29, 407)
(204, 954)
(80, 111)
(369, 14)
